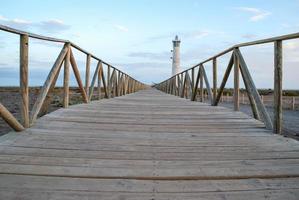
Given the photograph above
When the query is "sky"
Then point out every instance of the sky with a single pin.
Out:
(136, 35)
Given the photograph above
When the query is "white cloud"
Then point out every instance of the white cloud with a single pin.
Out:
(15, 23)
(21, 21)
(249, 36)
(121, 28)
(51, 25)
(195, 34)
(150, 55)
(257, 14)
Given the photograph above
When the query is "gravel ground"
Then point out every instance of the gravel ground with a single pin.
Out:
(10, 98)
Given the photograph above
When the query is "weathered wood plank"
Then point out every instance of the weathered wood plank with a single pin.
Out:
(148, 145)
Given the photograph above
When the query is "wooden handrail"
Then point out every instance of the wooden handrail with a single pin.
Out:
(51, 39)
(66, 57)
(180, 81)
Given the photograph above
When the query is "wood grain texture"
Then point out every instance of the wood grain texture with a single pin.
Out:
(24, 89)
(46, 87)
(277, 124)
(78, 77)
(87, 73)
(10, 119)
(66, 78)
(236, 82)
(148, 145)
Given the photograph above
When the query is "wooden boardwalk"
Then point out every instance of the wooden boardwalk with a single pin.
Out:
(148, 145)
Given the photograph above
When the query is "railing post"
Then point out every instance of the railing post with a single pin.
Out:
(236, 82)
(192, 76)
(87, 74)
(178, 84)
(277, 87)
(108, 82)
(100, 81)
(24, 89)
(201, 84)
(214, 78)
(66, 78)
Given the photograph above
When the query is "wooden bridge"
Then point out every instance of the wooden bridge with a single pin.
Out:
(145, 143)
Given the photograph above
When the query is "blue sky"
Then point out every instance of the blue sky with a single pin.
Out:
(136, 35)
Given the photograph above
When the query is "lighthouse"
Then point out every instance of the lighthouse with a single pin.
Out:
(176, 56)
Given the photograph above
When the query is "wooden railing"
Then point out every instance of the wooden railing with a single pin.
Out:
(186, 85)
(115, 83)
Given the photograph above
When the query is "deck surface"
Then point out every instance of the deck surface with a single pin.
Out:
(148, 145)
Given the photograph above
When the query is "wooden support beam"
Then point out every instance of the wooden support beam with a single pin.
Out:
(201, 84)
(100, 81)
(24, 89)
(104, 83)
(254, 92)
(108, 82)
(10, 119)
(184, 86)
(48, 99)
(78, 78)
(179, 85)
(87, 74)
(209, 90)
(195, 88)
(225, 77)
(214, 78)
(66, 78)
(277, 128)
(94, 78)
(250, 97)
(236, 82)
(111, 83)
(189, 85)
(45, 89)
(192, 76)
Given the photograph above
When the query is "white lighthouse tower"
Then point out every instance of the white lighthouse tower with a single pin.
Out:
(176, 56)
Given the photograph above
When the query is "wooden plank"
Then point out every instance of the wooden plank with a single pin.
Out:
(24, 90)
(148, 145)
